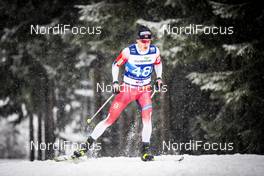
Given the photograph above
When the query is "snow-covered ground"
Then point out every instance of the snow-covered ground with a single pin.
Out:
(204, 165)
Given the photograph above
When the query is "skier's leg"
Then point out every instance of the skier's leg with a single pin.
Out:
(119, 103)
(146, 110)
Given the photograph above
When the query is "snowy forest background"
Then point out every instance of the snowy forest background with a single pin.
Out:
(47, 82)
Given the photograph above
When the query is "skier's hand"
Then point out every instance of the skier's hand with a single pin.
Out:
(158, 84)
(116, 87)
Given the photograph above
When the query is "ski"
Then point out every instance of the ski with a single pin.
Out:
(159, 159)
(67, 158)
(62, 158)
(173, 159)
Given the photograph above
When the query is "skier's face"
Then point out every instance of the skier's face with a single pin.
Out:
(144, 43)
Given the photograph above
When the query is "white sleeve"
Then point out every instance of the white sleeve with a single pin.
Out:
(119, 61)
(158, 70)
(115, 72)
(158, 65)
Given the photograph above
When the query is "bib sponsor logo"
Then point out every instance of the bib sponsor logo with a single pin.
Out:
(143, 60)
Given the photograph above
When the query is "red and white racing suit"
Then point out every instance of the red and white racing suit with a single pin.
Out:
(135, 87)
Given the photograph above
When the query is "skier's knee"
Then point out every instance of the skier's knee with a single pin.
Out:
(109, 120)
(147, 107)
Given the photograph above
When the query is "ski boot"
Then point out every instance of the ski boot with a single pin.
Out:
(145, 152)
(84, 148)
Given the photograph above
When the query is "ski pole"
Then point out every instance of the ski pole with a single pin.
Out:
(153, 93)
(89, 120)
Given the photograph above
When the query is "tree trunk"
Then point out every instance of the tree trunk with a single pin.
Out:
(40, 133)
(31, 137)
(49, 121)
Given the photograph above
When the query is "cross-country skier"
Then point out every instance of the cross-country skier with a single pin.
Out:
(140, 60)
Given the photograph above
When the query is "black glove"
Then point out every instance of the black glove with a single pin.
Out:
(116, 87)
(158, 84)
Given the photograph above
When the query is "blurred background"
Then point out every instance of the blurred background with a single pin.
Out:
(48, 82)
